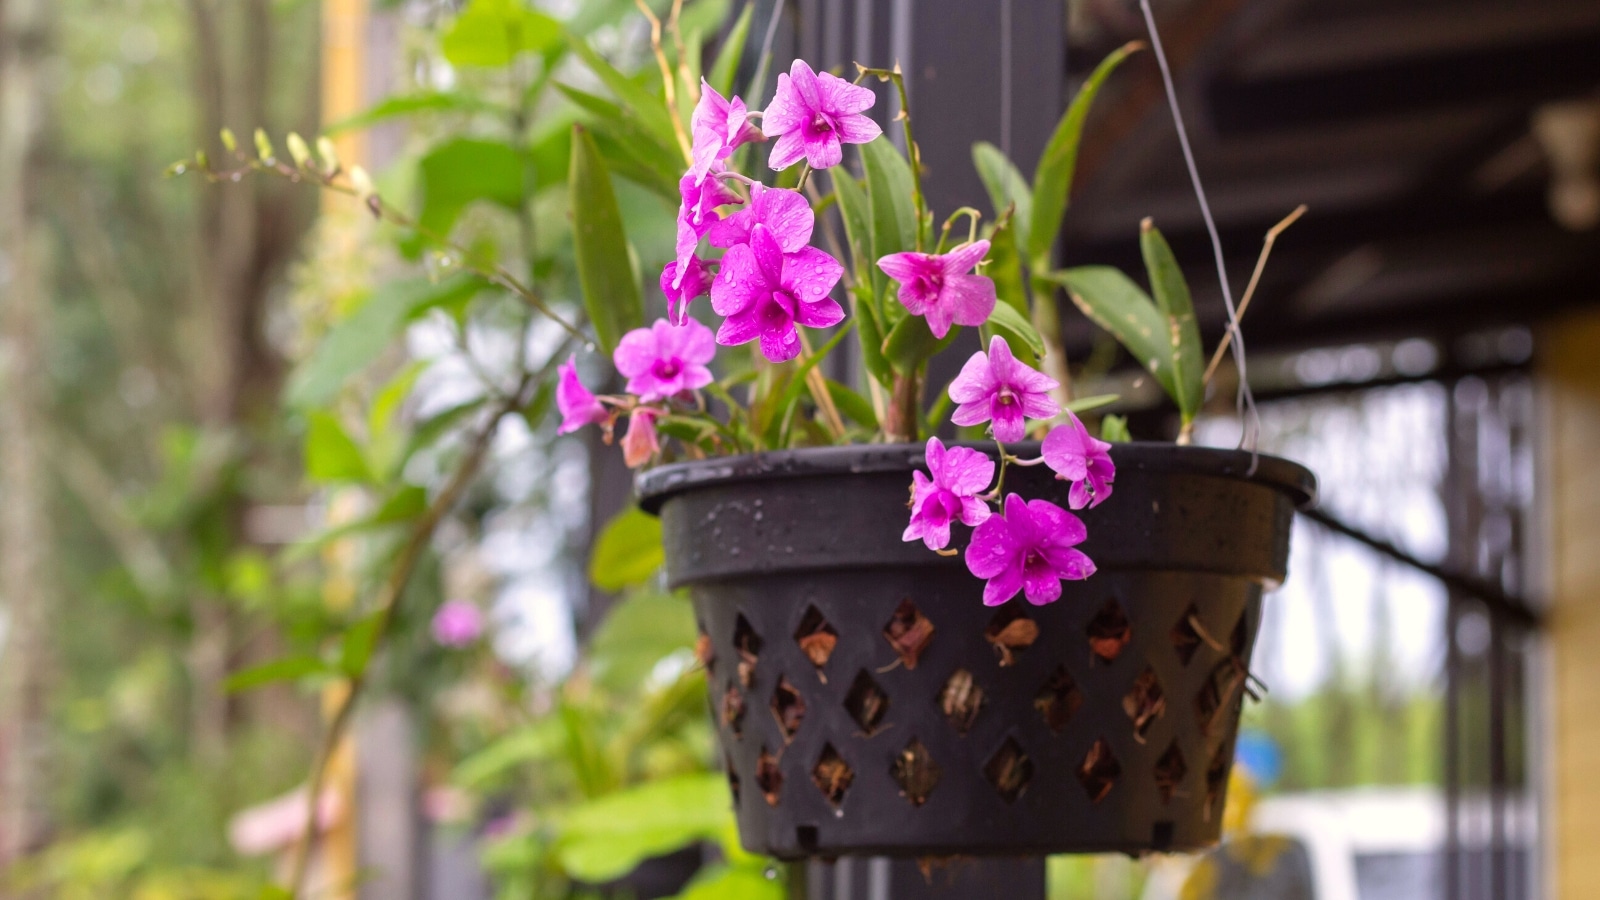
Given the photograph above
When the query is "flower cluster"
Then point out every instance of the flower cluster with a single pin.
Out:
(1029, 545)
(748, 246)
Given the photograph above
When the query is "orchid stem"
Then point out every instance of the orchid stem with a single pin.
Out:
(1250, 290)
(667, 79)
(972, 231)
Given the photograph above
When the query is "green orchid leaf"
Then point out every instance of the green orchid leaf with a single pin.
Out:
(893, 215)
(1006, 186)
(610, 290)
(359, 338)
(1114, 302)
(289, 668)
(608, 837)
(1115, 430)
(360, 639)
(491, 33)
(1183, 335)
(1088, 404)
(635, 636)
(629, 149)
(463, 171)
(1019, 333)
(649, 107)
(871, 336)
(1052, 180)
(627, 552)
(331, 455)
(403, 105)
(726, 65)
(911, 343)
(853, 406)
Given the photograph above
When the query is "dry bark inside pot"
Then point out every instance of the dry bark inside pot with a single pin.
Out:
(948, 728)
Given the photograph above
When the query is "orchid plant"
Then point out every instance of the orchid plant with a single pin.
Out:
(749, 245)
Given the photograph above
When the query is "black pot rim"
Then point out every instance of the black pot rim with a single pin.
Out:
(656, 486)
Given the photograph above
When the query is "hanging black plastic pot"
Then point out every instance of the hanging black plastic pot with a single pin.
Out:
(867, 701)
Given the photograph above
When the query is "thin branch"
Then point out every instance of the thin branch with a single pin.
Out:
(1250, 291)
(668, 82)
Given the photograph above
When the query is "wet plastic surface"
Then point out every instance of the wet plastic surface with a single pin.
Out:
(936, 726)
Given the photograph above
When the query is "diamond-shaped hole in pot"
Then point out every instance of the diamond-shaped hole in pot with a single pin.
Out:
(1009, 770)
(1217, 779)
(1144, 703)
(788, 707)
(1219, 693)
(961, 700)
(832, 775)
(916, 772)
(733, 778)
(1058, 699)
(1109, 632)
(1099, 771)
(909, 632)
(866, 703)
(1185, 638)
(1170, 771)
(748, 643)
(704, 651)
(1011, 632)
(816, 638)
(768, 778)
(733, 710)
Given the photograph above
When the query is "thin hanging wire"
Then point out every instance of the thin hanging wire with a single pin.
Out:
(1245, 402)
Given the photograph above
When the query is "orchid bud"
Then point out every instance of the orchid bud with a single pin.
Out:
(362, 182)
(298, 150)
(229, 142)
(264, 147)
(201, 161)
(329, 154)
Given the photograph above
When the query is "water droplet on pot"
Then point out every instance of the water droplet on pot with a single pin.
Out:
(770, 873)
(733, 551)
(757, 515)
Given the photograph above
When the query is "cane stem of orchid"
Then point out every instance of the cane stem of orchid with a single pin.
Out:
(817, 384)
(1000, 481)
(972, 227)
(1047, 321)
(912, 150)
(905, 402)
(667, 80)
(1019, 461)
(1250, 289)
(805, 174)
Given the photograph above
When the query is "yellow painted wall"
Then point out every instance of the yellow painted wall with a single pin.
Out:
(1570, 371)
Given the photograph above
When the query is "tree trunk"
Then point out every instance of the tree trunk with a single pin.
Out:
(27, 587)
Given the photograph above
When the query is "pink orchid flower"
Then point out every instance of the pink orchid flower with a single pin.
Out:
(1080, 458)
(765, 293)
(719, 126)
(995, 387)
(959, 474)
(696, 214)
(640, 444)
(786, 214)
(696, 282)
(664, 361)
(578, 407)
(456, 623)
(812, 115)
(939, 287)
(1030, 549)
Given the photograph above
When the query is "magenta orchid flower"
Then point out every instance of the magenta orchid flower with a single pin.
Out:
(764, 293)
(578, 407)
(1030, 549)
(456, 624)
(786, 214)
(813, 115)
(1082, 459)
(995, 387)
(640, 444)
(696, 214)
(664, 361)
(696, 282)
(951, 495)
(939, 288)
(720, 126)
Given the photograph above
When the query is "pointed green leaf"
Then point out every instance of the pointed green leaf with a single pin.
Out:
(910, 343)
(360, 639)
(289, 668)
(1019, 333)
(460, 172)
(732, 50)
(1006, 187)
(1183, 335)
(1114, 302)
(1115, 430)
(610, 292)
(649, 107)
(628, 551)
(631, 150)
(1087, 404)
(853, 406)
(402, 105)
(490, 34)
(871, 339)
(894, 216)
(1052, 180)
(331, 454)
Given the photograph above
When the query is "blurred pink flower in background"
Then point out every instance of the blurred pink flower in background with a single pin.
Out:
(457, 623)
